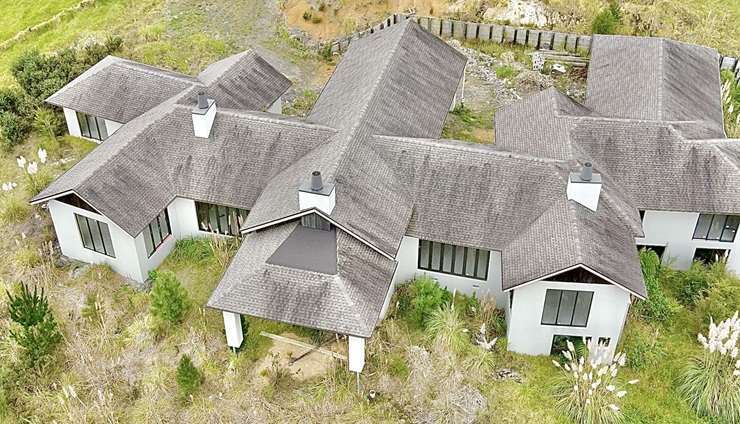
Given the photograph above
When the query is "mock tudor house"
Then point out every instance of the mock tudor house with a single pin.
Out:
(336, 209)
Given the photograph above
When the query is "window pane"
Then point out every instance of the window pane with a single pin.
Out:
(107, 242)
(164, 224)
(201, 210)
(242, 217)
(96, 237)
(715, 230)
(583, 307)
(702, 226)
(470, 261)
(436, 256)
(482, 271)
(102, 129)
(82, 120)
(156, 237)
(550, 311)
(459, 260)
(93, 128)
(148, 243)
(84, 232)
(567, 302)
(212, 218)
(424, 254)
(448, 253)
(730, 228)
(223, 220)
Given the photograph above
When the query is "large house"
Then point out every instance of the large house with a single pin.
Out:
(335, 209)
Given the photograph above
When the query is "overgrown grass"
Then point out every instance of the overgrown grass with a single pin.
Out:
(466, 124)
(22, 14)
(302, 104)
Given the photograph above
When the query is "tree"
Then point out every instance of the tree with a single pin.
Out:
(188, 377)
(607, 21)
(38, 335)
(169, 299)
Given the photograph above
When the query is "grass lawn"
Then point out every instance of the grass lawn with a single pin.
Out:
(22, 14)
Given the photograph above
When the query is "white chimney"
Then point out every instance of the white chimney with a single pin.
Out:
(316, 194)
(203, 116)
(585, 187)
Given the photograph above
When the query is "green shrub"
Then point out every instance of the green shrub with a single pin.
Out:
(711, 382)
(13, 129)
(693, 284)
(14, 209)
(608, 20)
(169, 299)
(448, 329)
(316, 19)
(505, 72)
(188, 378)
(657, 306)
(397, 366)
(306, 15)
(193, 250)
(38, 335)
(643, 345)
(48, 123)
(421, 299)
(722, 299)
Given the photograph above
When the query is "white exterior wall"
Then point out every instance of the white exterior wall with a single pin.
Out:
(111, 127)
(183, 219)
(526, 335)
(126, 262)
(277, 106)
(73, 126)
(407, 269)
(675, 231)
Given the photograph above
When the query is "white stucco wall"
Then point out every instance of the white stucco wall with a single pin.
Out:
(112, 126)
(73, 126)
(276, 106)
(407, 269)
(126, 262)
(675, 230)
(525, 334)
(183, 219)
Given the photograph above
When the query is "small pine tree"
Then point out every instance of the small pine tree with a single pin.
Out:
(188, 377)
(169, 299)
(39, 334)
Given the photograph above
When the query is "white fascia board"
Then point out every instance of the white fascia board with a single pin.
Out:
(598, 274)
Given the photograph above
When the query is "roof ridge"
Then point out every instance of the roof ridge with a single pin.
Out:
(661, 78)
(153, 70)
(221, 75)
(268, 117)
(453, 144)
(354, 311)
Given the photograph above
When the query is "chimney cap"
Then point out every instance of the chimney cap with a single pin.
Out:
(316, 182)
(586, 171)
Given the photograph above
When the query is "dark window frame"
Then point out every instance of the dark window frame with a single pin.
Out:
(92, 224)
(725, 228)
(207, 210)
(573, 312)
(163, 236)
(463, 272)
(725, 254)
(91, 122)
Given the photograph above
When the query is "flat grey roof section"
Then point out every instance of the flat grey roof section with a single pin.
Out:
(308, 249)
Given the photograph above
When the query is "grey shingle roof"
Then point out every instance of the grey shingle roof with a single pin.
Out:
(120, 89)
(399, 81)
(142, 167)
(655, 79)
(348, 302)
(568, 234)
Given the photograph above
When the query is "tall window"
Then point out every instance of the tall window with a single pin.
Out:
(156, 232)
(451, 259)
(568, 308)
(716, 227)
(95, 235)
(220, 219)
(92, 126)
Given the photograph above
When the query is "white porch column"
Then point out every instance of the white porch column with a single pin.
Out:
(356, 354)
(233, 326)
